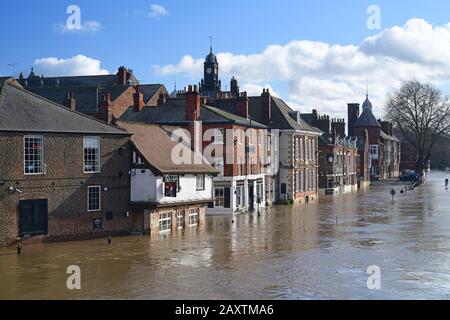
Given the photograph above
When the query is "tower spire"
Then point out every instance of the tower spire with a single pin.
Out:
(210, 44)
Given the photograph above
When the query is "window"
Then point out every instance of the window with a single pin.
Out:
(219, 194)
(165, 222)
(180, 219)
(259, 192)
(193, 217)
(91, 154)
(200, 182)
(34, 155)
(302, 181)
(171, 186)
(94, 198)
(239, 196)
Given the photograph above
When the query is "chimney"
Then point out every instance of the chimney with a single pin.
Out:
(353, 115)
(386, 127)
(338, 126)
(193, 103)
(322, 122)
(138, 99)
(242, 106)
(103, 108)
(123, 75)
(266, 107)
(70, 102)
(234, 88)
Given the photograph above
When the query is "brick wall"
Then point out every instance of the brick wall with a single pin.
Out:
(65, 186)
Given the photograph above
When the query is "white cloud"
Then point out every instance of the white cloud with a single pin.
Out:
(256, 90)
(87, 27)
(77, 65)
(328, 76)
(157, 10)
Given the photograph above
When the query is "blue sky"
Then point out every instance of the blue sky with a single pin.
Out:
(126, 34)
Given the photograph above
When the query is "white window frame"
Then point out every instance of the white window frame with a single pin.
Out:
(239, 196)
(42, 167)
(99, 198)
(98, 156)
(181, 215)
(167, 217)
(194, 213)
(202, 178)
(223, 197)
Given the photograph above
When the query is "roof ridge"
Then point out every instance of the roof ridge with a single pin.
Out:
(67, 109)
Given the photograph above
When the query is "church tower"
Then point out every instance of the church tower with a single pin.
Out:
(210, 85)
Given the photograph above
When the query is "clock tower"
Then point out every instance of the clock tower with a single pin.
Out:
(210, 85)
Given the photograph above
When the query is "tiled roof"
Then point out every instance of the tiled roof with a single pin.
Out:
(281, 118)
(23, 111)
(155, 144)
(86, 98)
(73, 81)
(367, 119)
(176, 115)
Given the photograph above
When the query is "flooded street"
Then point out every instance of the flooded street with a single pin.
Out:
(299, 252)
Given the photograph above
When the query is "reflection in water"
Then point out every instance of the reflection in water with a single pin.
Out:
(320, 250)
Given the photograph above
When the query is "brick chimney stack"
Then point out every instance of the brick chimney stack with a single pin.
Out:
(322, 122)
(387, 127)
(242, 106)
(104, 108)
(123, 75)
(338, 126)
(266, 107)
(193, 103)
(353, 115)
(139, 103)
(70, 102)
(234, 88)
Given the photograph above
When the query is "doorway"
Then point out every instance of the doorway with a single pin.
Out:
(33, 218)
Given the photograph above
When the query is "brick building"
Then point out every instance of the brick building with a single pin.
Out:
(338, 155)
(63, 175)
(383, 145)
(240, 185)
(298, 147)
(105, 97)
(165, 195)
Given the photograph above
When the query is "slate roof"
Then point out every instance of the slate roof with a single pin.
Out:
(176, 115)
(155, 144)
(367, 119)
(23, 111)
(281, 118)
(149, 91)
(73, 81)
(86, 98)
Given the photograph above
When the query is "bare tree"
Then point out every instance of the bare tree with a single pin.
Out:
(422, 113)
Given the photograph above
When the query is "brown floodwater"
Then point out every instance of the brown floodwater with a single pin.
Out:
(301, 252)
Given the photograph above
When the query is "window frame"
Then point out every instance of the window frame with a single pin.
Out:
(85, 138)
(194, 213)
(220, 197)
(203, 180)
(42, 167)
(99, 199)
(168, 218)
(181, 223)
